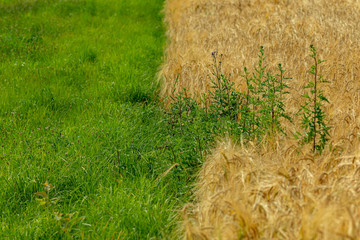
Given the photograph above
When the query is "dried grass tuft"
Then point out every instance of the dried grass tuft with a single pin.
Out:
(276, 190)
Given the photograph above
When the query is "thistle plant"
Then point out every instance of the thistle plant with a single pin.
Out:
(313, 121)
(256, 87)
(264, 106)
(273, 107)
(226, 100)
(248, 115)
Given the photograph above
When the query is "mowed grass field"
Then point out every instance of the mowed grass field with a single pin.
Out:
(82, 139)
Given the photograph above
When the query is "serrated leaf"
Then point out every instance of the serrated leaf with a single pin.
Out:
(322, 98)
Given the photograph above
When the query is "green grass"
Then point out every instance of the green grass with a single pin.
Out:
(82, 138)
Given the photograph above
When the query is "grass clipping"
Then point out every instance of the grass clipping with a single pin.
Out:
(276, 190)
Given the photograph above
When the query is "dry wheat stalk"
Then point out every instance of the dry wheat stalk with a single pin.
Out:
(277, 190)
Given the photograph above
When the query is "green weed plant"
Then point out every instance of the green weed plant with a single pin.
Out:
(313, 117)
(248, 115)
(256, 113)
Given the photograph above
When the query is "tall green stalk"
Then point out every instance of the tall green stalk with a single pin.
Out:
(314, 123)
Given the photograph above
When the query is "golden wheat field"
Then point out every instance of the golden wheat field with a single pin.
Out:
(277, 190)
